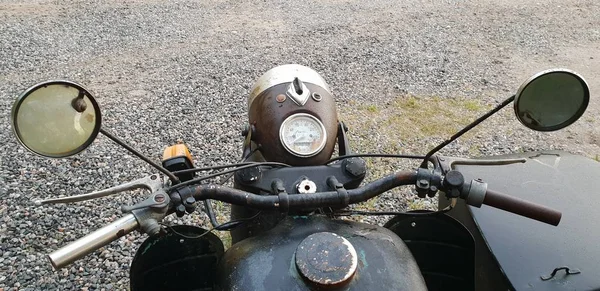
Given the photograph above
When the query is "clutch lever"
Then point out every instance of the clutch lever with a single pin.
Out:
(152, 183)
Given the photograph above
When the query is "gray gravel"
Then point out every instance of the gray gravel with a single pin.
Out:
(165, 71)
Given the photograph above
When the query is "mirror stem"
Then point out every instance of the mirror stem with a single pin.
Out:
(464, 130)
(173, 178)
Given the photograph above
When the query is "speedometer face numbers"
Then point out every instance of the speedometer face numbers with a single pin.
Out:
(302, 135)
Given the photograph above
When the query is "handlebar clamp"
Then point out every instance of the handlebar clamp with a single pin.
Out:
(284, 200)
(334, 184)
(428, 182)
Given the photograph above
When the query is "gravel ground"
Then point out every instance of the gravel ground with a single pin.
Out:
(165, 71)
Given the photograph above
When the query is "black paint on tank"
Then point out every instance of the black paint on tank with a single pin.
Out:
(267, 261)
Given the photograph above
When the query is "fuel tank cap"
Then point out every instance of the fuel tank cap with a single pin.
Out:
(326, 259)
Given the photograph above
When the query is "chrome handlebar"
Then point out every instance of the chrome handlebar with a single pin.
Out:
(93, 241)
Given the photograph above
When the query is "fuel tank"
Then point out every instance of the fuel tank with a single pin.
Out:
(314, 253)
(517, 253)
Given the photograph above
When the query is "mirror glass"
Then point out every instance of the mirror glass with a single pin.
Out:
(551, 100)
(56, 119)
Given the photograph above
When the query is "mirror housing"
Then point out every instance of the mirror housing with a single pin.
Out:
(551, 100)
(56, 119)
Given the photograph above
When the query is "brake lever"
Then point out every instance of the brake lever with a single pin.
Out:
(448, 163)
(152, 183)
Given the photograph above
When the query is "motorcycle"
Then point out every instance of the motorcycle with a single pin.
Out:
(289, 193)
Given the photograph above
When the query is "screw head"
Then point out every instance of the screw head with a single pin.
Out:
(190, 200)
(317, 97)
(159, 198)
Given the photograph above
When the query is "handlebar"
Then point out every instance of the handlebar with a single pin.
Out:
(522, 207)
(93, 241)
(341, 197)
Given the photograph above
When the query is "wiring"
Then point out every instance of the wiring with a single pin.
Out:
(250, 165)
(415, 157)
(222, 227)
(207, 203)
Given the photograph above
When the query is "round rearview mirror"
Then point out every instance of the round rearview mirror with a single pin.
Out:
(56, 119)
(551, 100)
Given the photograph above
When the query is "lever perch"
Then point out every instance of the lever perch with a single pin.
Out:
(152, 183)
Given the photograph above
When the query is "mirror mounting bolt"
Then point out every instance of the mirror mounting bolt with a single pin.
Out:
(78, 103)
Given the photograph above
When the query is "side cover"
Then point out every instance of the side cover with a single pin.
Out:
(528, 250)
(173, 262)
(267, 261)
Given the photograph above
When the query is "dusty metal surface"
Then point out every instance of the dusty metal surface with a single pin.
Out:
(285, 74)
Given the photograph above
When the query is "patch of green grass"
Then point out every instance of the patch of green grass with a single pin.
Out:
(412, 102)
(369, 205)
(372, 108)
(473, 105)
(407, 124)
(411, 117)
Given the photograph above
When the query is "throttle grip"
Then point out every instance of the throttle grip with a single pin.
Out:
(93, 241)
(522, 207)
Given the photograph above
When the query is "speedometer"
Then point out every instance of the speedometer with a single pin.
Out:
(303, 135)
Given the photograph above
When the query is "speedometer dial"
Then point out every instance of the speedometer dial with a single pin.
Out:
(302, 135)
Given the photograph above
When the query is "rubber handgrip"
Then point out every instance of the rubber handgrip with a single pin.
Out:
(522, 207)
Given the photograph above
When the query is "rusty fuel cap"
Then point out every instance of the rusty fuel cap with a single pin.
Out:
(326, 259)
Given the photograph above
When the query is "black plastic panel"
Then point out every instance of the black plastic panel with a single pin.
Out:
(443, 248)
(526, 249)
(291, 176)
(171, 262)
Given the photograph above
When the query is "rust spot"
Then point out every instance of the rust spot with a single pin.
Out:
(280, 98)
(89, 117)
(326, 259)
(267, 116)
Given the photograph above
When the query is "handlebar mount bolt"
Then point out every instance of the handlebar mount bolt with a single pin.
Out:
(423, 184)
(180, 210)
(190, 200)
